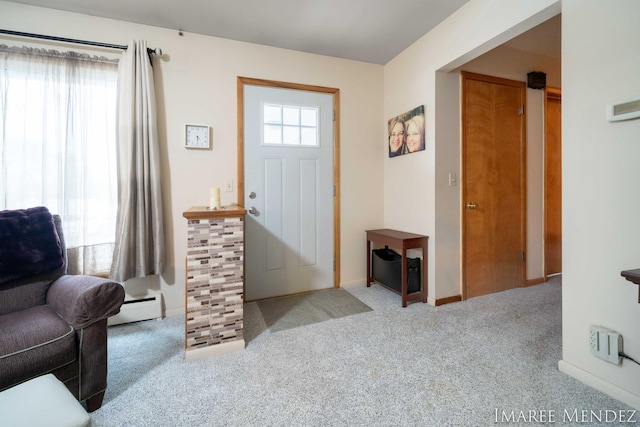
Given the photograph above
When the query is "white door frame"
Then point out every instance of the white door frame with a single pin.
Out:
(242, 81)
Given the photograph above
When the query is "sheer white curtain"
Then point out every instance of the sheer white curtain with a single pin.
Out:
(57, 146)
(139, 247)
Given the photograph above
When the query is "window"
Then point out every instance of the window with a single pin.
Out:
(290, 125)
(57, 146)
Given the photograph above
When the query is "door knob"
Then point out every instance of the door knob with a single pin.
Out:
(470, 205)
(253, 211)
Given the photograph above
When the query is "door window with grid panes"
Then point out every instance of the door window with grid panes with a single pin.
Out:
(289, 125)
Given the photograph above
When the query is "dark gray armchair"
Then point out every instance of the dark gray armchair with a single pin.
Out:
(51, 322)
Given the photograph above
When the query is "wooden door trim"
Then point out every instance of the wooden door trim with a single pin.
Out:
(465, 75)
(241, 82)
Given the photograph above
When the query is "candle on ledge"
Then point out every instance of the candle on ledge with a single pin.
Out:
(214, 199)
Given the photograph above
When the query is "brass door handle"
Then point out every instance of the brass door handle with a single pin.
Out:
(470, 205)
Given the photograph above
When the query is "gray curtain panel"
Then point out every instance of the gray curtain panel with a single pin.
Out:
(139, 246)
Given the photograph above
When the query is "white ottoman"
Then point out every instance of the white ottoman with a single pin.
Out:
(42, 401)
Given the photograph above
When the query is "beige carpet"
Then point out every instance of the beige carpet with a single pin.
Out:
(453, 365)
(305, 309)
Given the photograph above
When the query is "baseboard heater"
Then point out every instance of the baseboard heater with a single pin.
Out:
(138, 308)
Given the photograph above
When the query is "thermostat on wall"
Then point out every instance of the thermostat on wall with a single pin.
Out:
(623, 110)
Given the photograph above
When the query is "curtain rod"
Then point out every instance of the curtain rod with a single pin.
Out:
(75, 41)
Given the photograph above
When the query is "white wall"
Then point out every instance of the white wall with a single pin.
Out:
(417, 195)
(196, 83)
(601, 226)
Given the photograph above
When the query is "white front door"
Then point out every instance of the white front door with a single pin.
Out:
(288, 191)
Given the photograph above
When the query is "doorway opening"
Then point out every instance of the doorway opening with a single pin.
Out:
(552, 182)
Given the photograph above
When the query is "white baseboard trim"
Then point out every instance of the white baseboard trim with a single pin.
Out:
(170, 312)
(600, 384)
(136, 308)
(213, 350)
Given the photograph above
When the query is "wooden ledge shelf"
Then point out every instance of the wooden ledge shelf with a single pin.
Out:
(203, 212)
(634, 277)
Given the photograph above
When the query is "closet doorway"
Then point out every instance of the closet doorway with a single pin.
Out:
(552, 182)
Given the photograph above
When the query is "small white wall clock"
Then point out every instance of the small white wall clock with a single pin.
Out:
(197, 136)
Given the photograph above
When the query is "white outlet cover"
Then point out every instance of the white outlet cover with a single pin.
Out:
(605, 344)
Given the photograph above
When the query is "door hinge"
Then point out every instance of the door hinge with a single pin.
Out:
(334, 191)
(334, 265)
(334, 115)
(521, 255)
(521, 110)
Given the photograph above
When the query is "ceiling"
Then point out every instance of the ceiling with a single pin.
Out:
(372, 31)
(543, 39)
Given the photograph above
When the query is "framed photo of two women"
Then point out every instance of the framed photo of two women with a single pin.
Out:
(406, 132)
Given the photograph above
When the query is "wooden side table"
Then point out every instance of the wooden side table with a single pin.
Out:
(404, 241)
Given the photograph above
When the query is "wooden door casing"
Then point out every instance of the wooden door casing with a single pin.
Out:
(493, 192)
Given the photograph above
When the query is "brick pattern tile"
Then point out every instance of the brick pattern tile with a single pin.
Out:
(215, 254)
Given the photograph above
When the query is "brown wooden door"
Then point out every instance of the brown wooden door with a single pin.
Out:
(553, 182)
(493, 192)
